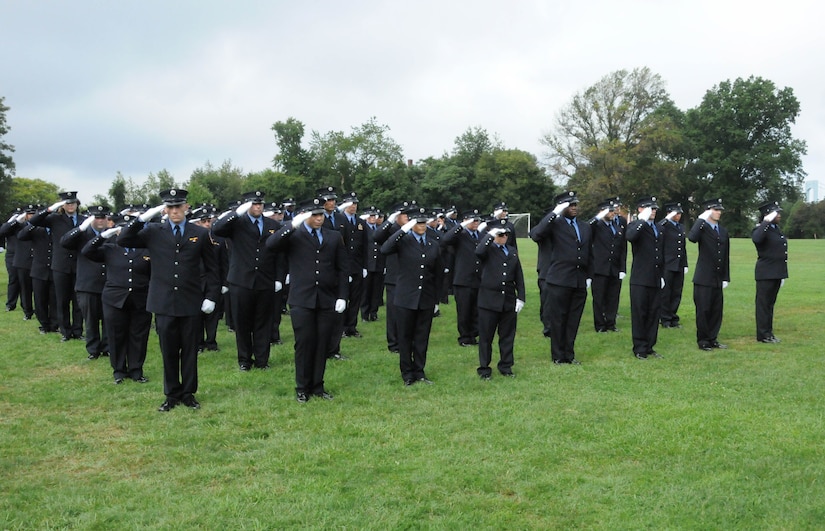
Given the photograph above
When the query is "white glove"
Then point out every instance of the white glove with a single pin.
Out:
(364, 272)
(300, 218)
(706, 214)
(340, 305)
(286, 280)
(686, 269)
(446, 270)
(770, 217)
(435, 309)
(498, 212)
(671, 214)
(519, 305)
(268, 213)
(244, 208)
(152, 212)
(588, 282)
(363, 217)
(725, 284)
(662, 283)
(345, 205)
(225, 290)
(349, 279)
(57, 205)
(108, 233)
(87, 223)
(781, 282)
(20, 218)
(278, 286)
(645, 214)
(622, 274)
(466, 222)
(207, 306)
(393, 217)
(408, 226)
(482, 226)
(12, 218)
(602, 213)
(560, 207)
(496, 231)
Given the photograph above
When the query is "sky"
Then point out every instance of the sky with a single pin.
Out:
(100, 87)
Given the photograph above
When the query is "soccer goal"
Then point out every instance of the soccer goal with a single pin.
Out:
(522, 224)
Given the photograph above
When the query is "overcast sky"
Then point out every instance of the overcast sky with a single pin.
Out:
(97, 87)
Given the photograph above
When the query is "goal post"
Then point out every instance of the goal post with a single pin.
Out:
(522, 224)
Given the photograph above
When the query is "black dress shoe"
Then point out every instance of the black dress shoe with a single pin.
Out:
(485, 377)
(655, 354)
(338, 356)
(303, 398)
(559, 362)
(42, 330)
(612, 329)
(63, 339)
(426, 381)
(104, 354)
(142, 379)
(717, 344)
(768, 340)
(508, 375)
(191, 402)
(706, 348)
(409, 382)
(324, 395)
(92, 356)
(244, 368)
(277, 342)
(640, 356)
(118, 381)
(263, 367)
(168, 405)
(574, 361)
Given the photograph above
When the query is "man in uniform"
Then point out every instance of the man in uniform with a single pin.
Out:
(712, 274)
(466, 275)
(645, 278)
(19, 255)
(353, 231)
(60, 218)
(251, 278)
(676, 265)
(609, 267)
(318, 292)
(416, 293)
(374, 281)
(45, 305)
(500, 297)
(91, 276)
(771, 268)
(178, 251)
(501, 211)
(568, 274)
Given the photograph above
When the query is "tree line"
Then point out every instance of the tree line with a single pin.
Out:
(623, 136)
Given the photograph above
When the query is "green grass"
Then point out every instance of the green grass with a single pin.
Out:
(704, 440)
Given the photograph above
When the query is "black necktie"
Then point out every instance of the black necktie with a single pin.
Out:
(258, 225)
(422, 242)
(177, 234)
(315, 235)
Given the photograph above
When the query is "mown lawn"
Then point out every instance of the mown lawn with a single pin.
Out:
(706, 440)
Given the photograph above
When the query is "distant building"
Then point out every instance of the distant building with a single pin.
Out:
(812, 191)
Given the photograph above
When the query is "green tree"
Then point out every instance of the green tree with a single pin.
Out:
(292, 158)
(24, 191)
(278, 186)
(804, 220)
(118, 192)
(514, 177)
(742, 149)
(223, 184)
(6, 162)
(617, 137)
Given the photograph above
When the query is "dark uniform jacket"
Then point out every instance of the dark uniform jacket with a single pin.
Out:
(63, 260)
(127, 272)
(772, 252)
(91, 275)
(713, 264)
(355, 242)
(175, 287)
(570, 263)
(674, 245)
(376, 260)
(502, 277)
(41, 250)
(648, 256)
(318, 275)
(609, 250)
(467, 266)
(251, 265)
(419, 270)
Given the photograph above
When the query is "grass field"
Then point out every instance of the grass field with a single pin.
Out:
(704, 440)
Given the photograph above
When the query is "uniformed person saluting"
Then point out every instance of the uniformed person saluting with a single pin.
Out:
(676, 265)
(178, 251)
(771, 268)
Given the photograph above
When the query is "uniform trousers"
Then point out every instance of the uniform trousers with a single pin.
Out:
(373, 292)
(45, 304)
(128, 332)
(253, 311)
(766, 294)
(565, 307)
(644, 317)
(671, 297)
(709, 302)
(179, 338)
(488, 322)
(413, 328)
(605, 290)
(24, 280)
(91, 307)
(544, 315)
(13, 285)
(313, 329)
(392, 331)
(466, 311)
(276, 317)
(69, 316)
(356, 293)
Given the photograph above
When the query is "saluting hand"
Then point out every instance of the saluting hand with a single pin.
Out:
(560, 207)
(108, 233)
(57, 205)
(300, 218)
(152, 212)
